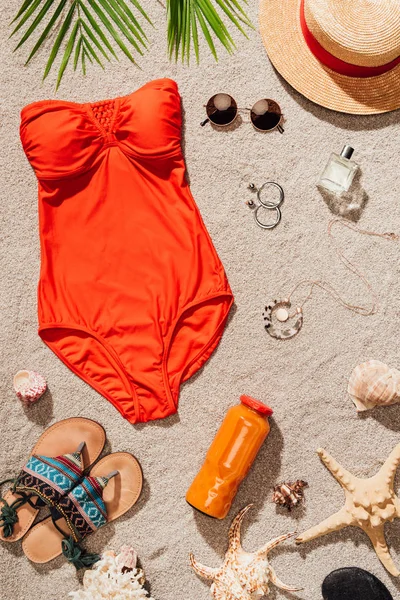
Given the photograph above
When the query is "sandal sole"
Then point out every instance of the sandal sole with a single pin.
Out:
(43, 542)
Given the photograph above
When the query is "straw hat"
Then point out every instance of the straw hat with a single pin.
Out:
(342, 54)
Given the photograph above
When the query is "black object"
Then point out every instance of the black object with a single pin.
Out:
(347, 152)
(352, 583)
(223, 116)
(268, 117)
(265, 115)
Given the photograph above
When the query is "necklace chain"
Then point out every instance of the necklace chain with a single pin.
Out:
(329, 289)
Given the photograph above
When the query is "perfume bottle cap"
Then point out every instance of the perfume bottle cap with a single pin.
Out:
(347, 152)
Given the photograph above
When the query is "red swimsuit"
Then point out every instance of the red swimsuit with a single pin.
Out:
(132, 295)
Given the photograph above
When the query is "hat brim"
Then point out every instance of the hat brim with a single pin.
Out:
(288, 51)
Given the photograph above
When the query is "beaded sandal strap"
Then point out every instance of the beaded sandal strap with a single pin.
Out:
(51, 478)
(84, 512)
(45, 477)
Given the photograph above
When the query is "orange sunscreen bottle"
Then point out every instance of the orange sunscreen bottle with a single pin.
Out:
(230, 457)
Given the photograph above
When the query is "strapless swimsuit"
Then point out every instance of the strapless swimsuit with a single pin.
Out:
(132, 295)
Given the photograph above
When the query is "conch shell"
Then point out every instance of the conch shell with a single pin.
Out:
(243, 575)
(374, 384)
(29, 386)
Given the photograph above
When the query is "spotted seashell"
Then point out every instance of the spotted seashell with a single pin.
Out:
(374, 384)
(29, 386)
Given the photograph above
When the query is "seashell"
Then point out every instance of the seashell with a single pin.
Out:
(127, 558)
(374, 384)
(242, 575)
(29, 386)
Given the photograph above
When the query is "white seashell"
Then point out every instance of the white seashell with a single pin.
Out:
(374, 384)
(127, 558)
(29, 386)
(242, 575)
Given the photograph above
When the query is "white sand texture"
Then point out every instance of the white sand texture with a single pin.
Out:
(304, 379)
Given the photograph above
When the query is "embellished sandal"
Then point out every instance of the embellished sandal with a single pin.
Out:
(55, 466)
(110, 490)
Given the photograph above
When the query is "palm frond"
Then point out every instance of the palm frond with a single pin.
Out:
(195, 37)
(46, 30)
(83, 61)
(34, 24)
(94, 39)
(68, 51)
(81, 29)
(110, 28)
(96, 29)
(28, 12)
(78, 48)
(23, 8)
(57, 44)
(186, 17)
(91, 51)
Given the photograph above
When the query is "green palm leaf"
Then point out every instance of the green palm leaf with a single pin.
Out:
(67, 53)
(113, 32)
(78, 48)
(185, 17)
(47, 29)
(83, 29)
(61, 35)
(231, 14)
(23, 8)
(95, 41)
(27, 13)
(132, 17)
(193, 24)
(34, 24)
(96, 29)
(115, 8)
(86, 29)
(140, 9)
(83, 61)
(206, 32)
(111, 8)
(91, 51)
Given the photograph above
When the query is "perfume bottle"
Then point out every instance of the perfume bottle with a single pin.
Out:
(339, 172)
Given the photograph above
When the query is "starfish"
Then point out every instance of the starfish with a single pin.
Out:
(369, 503)
(243, 575)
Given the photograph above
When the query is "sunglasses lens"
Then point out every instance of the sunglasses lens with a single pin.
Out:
(266, 115)
(221, 109)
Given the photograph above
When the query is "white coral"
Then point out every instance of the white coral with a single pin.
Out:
(107, 581)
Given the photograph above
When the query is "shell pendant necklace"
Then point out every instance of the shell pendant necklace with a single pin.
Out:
(283, 324)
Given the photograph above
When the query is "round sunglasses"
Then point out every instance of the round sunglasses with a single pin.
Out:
(222, 111)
